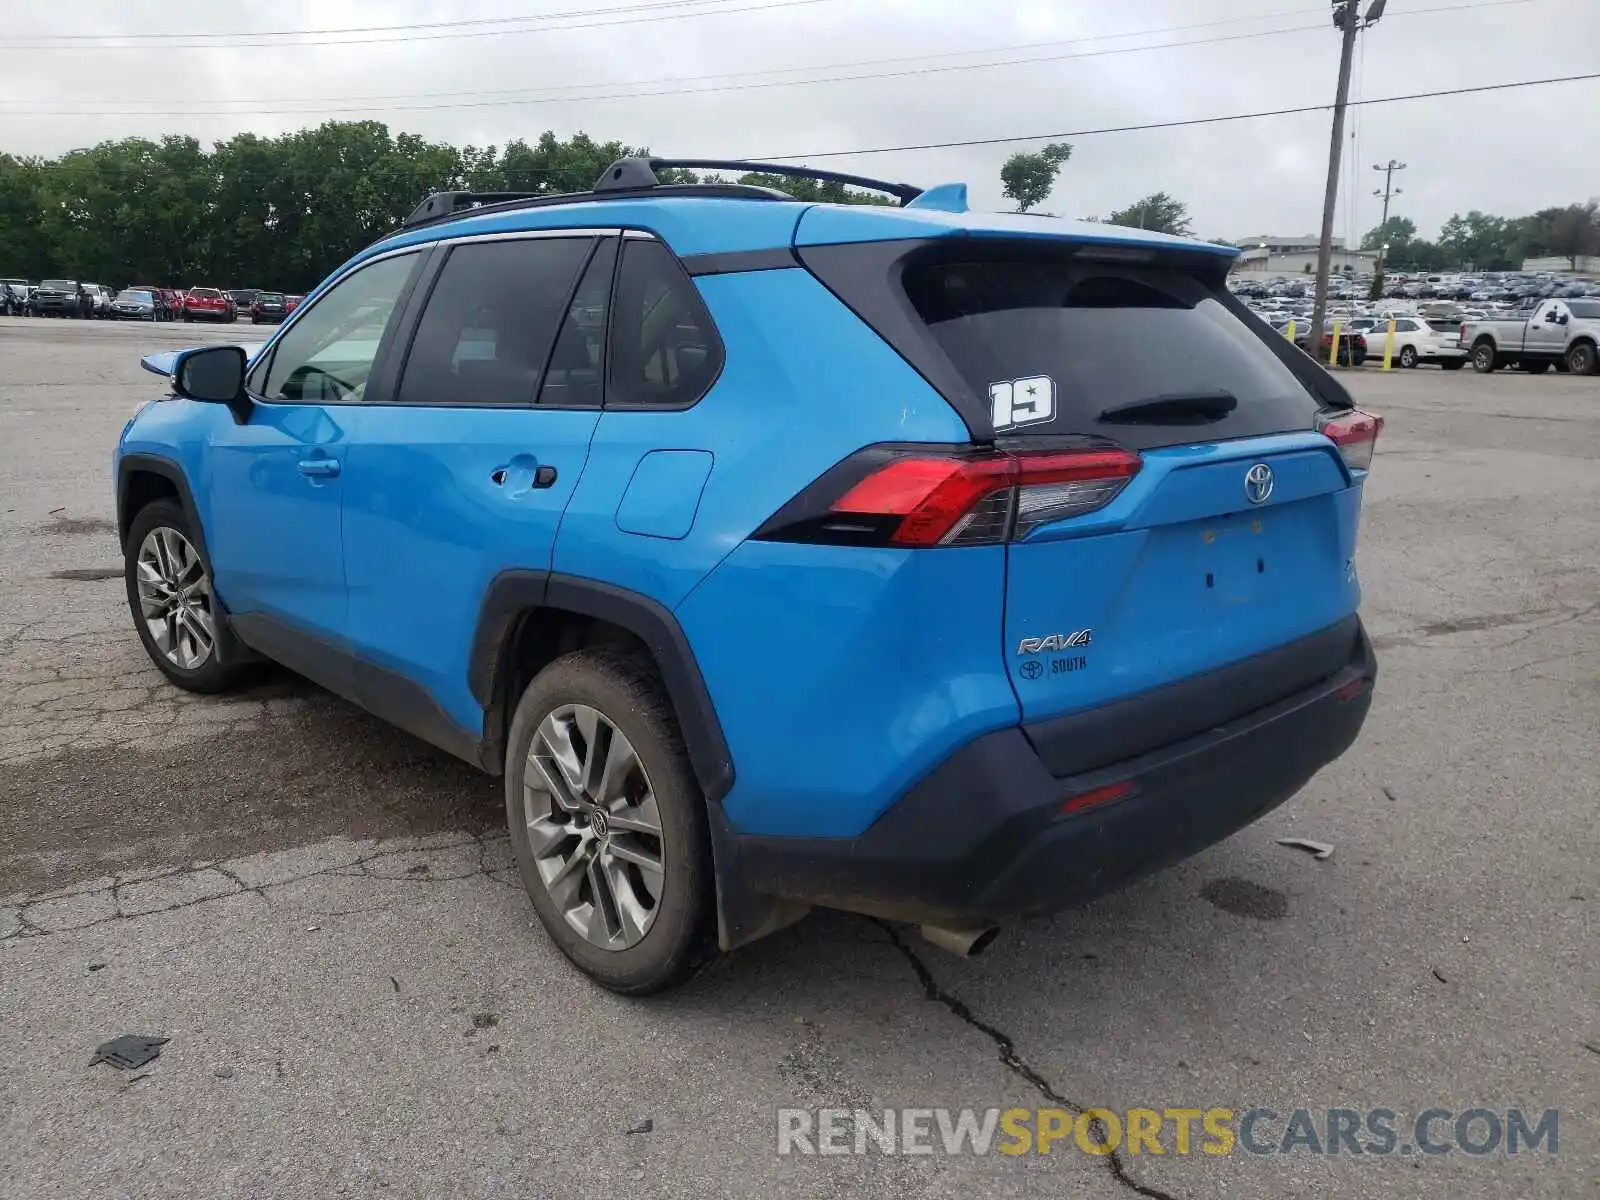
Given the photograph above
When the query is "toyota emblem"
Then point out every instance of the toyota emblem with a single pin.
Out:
(1258, 483)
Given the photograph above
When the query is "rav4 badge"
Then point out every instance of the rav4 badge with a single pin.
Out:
(1056, 641)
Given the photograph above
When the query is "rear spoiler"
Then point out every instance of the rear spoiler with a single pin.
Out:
(161, 363)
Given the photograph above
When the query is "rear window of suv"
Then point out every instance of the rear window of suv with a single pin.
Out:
(1056, 344)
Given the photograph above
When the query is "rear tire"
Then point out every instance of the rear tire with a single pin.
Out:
(1408, 357)
(174, 607)
(1581, 359)
(1483, 358)
(623, 843)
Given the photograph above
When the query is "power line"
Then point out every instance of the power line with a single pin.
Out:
(290, 33)
(421, 37)
(690, 91)
(517, 97)
(420, 171)
(444, 30)
(844, 66)
(1249, 116)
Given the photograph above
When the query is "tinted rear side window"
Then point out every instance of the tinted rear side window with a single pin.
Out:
(664, 350)
(491, 320)
(1055, 344)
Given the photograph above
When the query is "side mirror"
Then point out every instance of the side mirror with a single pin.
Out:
(1563, 318)
(213, 375)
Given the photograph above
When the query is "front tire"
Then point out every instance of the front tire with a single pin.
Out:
(1408, 357)
(175, 610)
(1483, 358)
(608, 824)
(1581, 360)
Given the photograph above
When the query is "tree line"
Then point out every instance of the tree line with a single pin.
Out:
(274, 212)
(1478, 241)
(282, 212)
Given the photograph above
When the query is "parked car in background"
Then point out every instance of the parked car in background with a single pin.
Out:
(14, 295)
(58, 298)
(290, 303)
(1418, 341)
(100, 298)
(242, 298)
(136, 304)
(166, 299)
(1562, 333)
(268, 308)
(1352, 347)
(207, 304)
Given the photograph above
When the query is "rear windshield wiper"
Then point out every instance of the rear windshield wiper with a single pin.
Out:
(1177, 408)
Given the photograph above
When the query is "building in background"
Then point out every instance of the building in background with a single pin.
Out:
(1266, 254)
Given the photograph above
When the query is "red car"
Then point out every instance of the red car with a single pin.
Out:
(290, 303)
(209, 304)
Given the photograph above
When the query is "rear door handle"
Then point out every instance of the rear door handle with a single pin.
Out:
(318, 468)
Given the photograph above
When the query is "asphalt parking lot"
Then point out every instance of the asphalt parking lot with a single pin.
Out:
(320, 913)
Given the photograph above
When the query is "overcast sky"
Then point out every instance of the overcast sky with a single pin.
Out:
(1508, 152)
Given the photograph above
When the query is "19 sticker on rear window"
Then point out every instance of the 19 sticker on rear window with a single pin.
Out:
(1025, 401)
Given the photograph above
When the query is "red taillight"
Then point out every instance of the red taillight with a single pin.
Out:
(1109, 794)
(951, 498)
(1355, 433)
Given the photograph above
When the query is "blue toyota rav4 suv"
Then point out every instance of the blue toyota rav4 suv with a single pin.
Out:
(942, 566)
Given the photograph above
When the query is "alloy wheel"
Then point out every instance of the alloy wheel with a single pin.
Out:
(175, 598)
(593, 827)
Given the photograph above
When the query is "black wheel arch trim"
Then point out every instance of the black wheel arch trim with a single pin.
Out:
(166, 468)
(516, 595)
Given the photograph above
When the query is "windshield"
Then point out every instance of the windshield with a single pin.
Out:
(1587, 310)
(1056, 345)
(59, 285)
(205, 294)
(136, 297)
(270, 297)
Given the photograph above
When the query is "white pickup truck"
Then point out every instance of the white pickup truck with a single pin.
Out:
(1560, 333)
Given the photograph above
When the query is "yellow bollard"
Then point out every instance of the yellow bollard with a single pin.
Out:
(1388, 347)
(1333, 348)
(1289, 332)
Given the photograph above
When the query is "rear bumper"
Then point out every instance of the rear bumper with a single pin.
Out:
(984, 837)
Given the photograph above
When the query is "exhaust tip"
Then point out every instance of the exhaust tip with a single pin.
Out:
(964, 943)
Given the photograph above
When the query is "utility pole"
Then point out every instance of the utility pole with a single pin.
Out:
(1388, 191)
(1348, 20)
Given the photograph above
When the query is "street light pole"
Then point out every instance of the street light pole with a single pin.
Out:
(1388, 192)
(1347, 18)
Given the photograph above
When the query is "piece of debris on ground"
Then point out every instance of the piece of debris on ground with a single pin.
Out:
(1320, 850)
(128, 1051)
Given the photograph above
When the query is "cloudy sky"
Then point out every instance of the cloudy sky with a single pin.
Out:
(719, 78)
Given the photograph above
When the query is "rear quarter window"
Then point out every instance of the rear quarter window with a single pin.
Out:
(1055, 344)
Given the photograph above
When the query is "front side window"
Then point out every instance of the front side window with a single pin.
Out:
(664, 350)
(326, 356)
(486, 334)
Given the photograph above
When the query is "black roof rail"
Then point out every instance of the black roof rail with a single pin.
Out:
(637, 174)
(448, 204)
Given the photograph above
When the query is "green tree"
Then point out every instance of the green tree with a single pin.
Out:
(1572, 232)
(1396, 233)
(1029, 178)
(815, 191)
(1159, 212)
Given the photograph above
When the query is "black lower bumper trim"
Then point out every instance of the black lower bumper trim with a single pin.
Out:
(984, 837)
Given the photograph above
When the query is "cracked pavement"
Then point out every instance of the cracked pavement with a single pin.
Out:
(321, 914)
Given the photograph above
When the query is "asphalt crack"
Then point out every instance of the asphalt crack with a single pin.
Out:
(28, 929)
(1014, 1062)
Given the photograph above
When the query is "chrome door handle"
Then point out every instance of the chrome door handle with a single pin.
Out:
(318, 468)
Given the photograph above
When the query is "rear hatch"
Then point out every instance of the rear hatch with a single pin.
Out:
(1221, 524)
